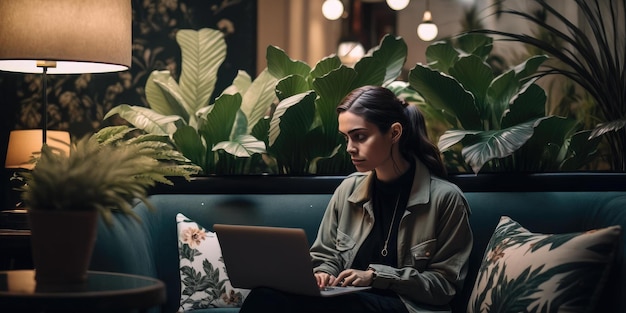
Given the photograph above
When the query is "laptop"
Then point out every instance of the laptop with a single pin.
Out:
(274, 257)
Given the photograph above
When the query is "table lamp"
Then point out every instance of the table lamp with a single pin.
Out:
(25, 144)
(64, 37)
(60, 37)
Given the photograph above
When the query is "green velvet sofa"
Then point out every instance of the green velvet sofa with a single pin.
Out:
(542, 203)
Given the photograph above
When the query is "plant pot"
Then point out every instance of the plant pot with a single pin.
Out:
(62, 243)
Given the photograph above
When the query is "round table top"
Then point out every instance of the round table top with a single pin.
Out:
(102, 291)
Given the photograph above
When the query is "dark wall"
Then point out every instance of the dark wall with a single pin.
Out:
(78, 103)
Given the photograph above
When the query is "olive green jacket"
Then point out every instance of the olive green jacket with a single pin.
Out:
(434, 239)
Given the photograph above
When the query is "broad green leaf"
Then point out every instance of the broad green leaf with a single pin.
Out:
(391, 54)
(475, 76)
(240, 125)
(452, 137)
(280, 65)
(432, 116)
(476, 44)
(242, 146)
(189, 143)
(220, 119)
(331, 89)
(261, 129)
(370, 71)
(482, 147)
(441, 56)
(293, 117)
(146, 119)
(404, 91)
(163, 95)
(240, 84)
(548, 139)
(528, 105)
(445, 93)
(289, 126)
(318, 149)
(319, 146)
(502, 89)
(581, 151)
(291, 86)
(258, 99)
(529, 67)
(203, 52)
(324, 66)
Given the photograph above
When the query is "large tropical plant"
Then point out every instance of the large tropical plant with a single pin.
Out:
(283, 122)
(215, 135)
(594, 56)
(498, 122)
(303, 131)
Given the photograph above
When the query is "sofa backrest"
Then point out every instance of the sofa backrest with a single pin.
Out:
(150, 247)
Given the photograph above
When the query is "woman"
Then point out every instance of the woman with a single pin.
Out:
(396, 225)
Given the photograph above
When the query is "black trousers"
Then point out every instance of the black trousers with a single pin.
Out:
(271, 300)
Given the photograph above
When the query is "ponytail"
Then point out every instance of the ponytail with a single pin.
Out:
(419, 145)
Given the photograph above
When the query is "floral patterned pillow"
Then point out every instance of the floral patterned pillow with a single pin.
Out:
(528, 272)
(204, 283)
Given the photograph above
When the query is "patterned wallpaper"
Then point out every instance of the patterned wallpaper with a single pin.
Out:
(78, 102)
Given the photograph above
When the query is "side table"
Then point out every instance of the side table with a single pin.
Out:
(102, 292)
(15, 249)
(15, 240)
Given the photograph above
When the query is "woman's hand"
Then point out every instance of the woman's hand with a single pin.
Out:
(324, 279)
(352, 277)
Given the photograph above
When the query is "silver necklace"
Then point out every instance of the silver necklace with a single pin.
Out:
(384, 251)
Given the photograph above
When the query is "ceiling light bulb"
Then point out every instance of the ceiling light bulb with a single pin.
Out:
(332, 9)
(397, 4)
(427, 30)
(350, 52)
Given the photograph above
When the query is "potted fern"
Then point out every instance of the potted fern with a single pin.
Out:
(65, 194)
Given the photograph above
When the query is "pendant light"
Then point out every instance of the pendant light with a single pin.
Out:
(397, 4)
(332, 9)
(427, 30)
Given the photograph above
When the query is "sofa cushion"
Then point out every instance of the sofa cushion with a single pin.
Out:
(204, 282)
(526, 272)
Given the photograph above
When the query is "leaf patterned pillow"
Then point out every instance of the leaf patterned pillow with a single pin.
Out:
(528, 272)
(204, 283)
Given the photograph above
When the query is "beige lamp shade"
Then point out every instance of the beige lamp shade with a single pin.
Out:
(24, 144)
(82, 36)
(21, 282)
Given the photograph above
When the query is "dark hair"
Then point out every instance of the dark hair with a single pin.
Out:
(380, 106)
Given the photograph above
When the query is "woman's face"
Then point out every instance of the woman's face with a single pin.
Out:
(368, 147)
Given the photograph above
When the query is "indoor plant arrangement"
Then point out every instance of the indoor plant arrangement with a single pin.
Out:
(497, 122)
(282, 122)
(213, 131)
(65, 194)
